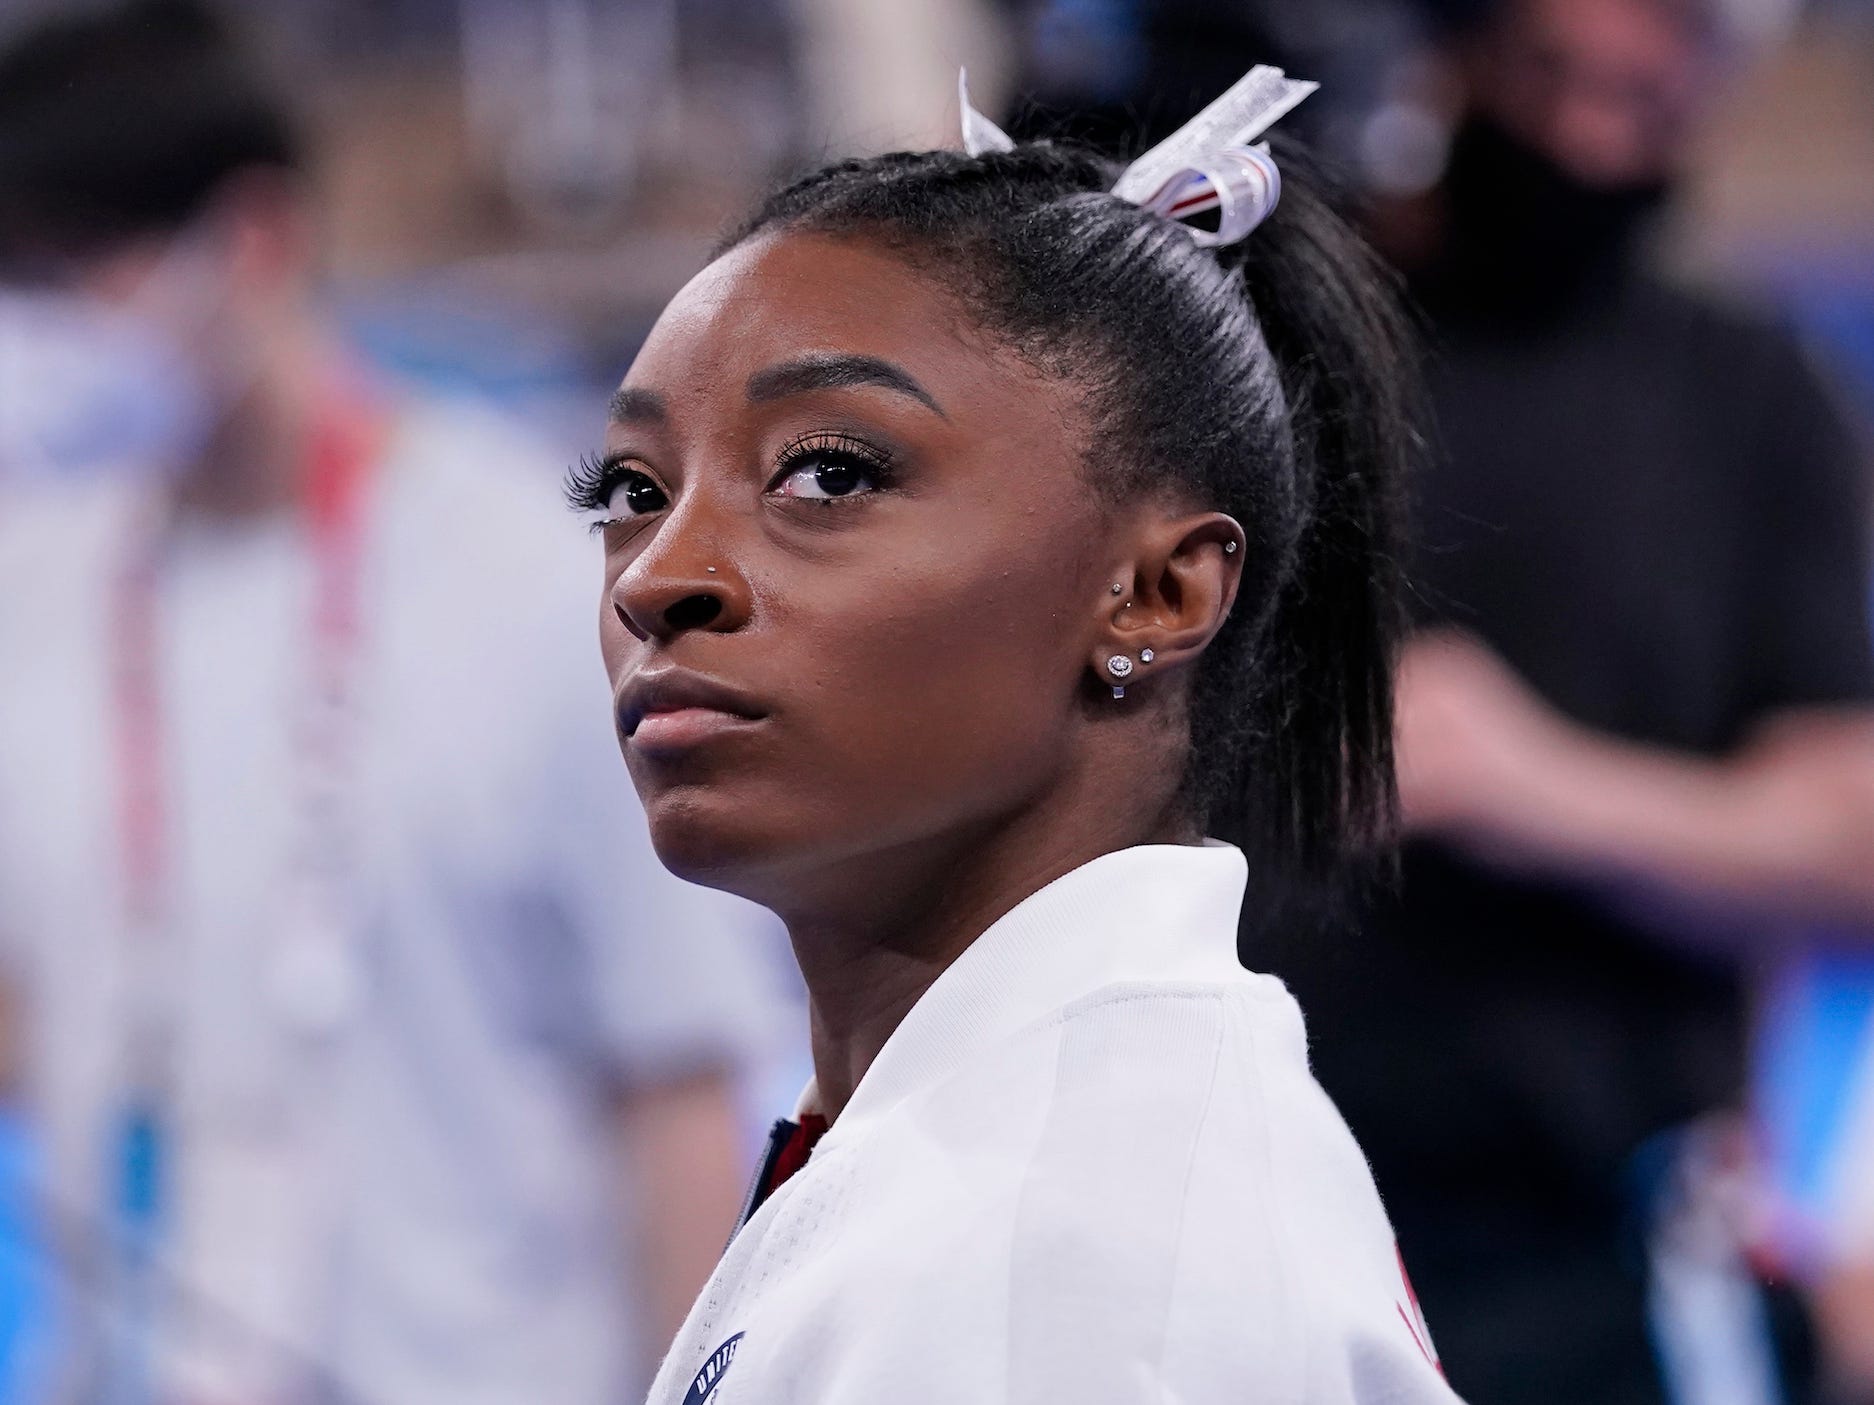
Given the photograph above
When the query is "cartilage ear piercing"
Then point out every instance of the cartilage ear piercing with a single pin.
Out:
(1229, 548)
(1121, 669)
(1119, 590)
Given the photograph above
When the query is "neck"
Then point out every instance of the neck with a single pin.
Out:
(901, 918)
(253, 461)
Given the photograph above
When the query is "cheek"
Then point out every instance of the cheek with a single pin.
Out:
(944, 694)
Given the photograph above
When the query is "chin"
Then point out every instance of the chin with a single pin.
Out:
(705, 835)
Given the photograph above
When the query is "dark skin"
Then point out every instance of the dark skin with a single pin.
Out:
(906, 625)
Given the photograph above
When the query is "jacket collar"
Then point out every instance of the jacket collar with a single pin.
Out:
(1158, 912)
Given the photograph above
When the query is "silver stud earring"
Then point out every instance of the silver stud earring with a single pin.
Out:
(710, 569)
(1119, 590)
(1229, 548)
(1120, 667)
(1146, 656)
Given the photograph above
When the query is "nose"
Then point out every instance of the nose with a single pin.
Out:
(676, 586)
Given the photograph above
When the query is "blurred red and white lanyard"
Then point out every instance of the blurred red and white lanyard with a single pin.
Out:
(315, 977)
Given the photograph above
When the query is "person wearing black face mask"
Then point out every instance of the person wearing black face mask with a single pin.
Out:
(1636, 737)
(1526, 239)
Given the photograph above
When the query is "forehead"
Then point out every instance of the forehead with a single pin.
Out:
(787, 295)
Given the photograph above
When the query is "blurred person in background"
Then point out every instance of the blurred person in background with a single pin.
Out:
(377, 1058)
(1635, 735)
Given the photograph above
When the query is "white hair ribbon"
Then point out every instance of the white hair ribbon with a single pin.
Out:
(1242, 184)
(1205, 165)
(979, 133)
(1209, 164)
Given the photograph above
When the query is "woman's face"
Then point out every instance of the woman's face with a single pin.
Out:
(854, 574)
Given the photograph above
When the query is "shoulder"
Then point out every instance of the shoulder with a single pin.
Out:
(1192, 1206)
(1742, 340)
(1781, 423)
(1164, 1074)
(1142, 1194)
(1170, 1199)
(1194, 1198)
(1341, 1270)
(1690, 308)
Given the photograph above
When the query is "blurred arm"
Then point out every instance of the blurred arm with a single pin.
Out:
(683, 1157)
(1844, 1310)
(1787, 821)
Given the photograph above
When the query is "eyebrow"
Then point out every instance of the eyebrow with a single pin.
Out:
(637, 407)
(835, 371)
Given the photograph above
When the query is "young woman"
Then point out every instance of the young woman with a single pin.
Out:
(976, 541)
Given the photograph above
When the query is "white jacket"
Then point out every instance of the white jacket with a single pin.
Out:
(1091, 1166)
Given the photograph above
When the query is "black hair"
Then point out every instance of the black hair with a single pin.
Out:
(1272, 380)
(121, 122)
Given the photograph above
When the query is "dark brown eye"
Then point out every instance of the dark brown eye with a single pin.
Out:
(822, 474)
(635, 495)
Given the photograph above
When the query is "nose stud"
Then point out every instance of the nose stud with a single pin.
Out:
(710, 569)
(1119, 590)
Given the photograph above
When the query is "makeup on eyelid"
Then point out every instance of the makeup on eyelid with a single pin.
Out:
(593, 484)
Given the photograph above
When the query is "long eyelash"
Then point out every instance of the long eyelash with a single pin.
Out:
(876, 459)
(589, 482)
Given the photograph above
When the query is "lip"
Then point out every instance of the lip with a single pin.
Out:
(673, 708)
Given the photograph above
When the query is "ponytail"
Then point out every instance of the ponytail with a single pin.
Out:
(1322, 788)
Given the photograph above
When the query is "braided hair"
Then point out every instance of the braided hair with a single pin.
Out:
(1271, 380)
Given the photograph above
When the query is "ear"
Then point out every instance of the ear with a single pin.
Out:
(1184, 577)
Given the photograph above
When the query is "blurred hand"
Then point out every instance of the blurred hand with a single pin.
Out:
(1844, 1312)
(1478, 749)
(1786, 822)
(1805, 786)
